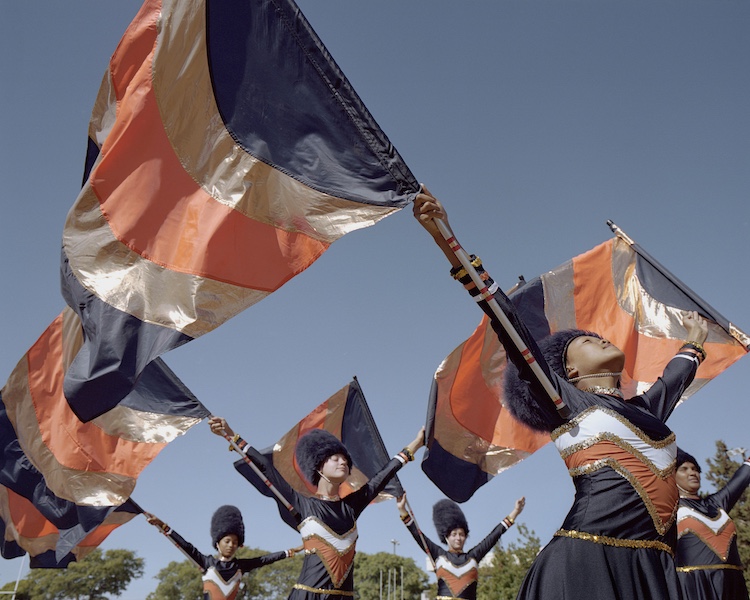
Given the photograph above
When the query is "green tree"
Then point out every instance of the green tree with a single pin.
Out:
(720, 471)
(275, 581)
(368, 569)
(502, 579)
(178, 581)
(96, 577)
(182, 580)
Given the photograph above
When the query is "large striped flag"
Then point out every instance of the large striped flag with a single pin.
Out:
(617, 290)
(27, 530)
(95, 463)
(53, 531)
(227, 151)
(347, 416)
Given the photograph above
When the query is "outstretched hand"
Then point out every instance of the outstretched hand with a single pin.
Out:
(426, 209)
(401, 505)
(520, 504)
(219, 426)
(156, 522)
(418, 441)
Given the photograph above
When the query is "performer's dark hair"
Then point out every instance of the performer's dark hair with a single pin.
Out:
(540, 416)
(314, 448)
(683, 457)
(226, 520)
(447, 516)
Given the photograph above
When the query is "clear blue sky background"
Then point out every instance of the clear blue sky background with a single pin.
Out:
(534, 121)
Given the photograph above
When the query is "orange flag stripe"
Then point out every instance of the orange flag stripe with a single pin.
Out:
(93, 450)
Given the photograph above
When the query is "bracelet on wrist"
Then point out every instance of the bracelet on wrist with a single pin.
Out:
(237, 442)
(697, 347)
(408, 453)
(459, 272)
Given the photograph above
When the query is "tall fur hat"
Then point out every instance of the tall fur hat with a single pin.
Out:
(447, 516)
(540, 417)
(683, 457)
(227, 519)
(314, 448)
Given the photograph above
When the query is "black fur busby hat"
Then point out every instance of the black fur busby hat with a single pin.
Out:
(314, 448)
(541, 417)
(447, 516)
(683, 457)
(227, 519)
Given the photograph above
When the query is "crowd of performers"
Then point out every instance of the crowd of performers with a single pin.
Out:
(637, 529)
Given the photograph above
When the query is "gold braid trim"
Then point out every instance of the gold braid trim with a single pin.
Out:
(610, 541)
(575, 422)
(307, 588)
(606, 436)
(706, 541)
(707, 568)
(447, 598)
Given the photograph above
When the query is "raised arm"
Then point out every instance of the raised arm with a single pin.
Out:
(187, 548)
(728, 496)
(663, 396)
(219, 426)
(422, 540)
(479, 551)
(362, 497)
(427, 208)
(250, 564)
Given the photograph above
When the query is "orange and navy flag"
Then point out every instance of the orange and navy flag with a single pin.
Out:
(27, 531)
(227, 151)
(347, 416)
(617, 290)
(94, 463)
(52, 530)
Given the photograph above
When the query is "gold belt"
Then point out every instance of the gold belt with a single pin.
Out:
(610, 541)
(707, 568)
(307, 588)
(447, 598)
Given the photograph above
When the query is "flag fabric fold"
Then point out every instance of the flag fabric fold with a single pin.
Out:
(27, 531)
(617, 290)
(96, 463)
(347, 416)
(227, 151)
(53, 531)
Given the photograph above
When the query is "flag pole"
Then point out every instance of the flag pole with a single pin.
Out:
(421, 535)
(260, 474)
(485, 294)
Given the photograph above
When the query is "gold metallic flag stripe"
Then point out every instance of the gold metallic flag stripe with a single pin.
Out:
(214, 160)
(187, 303)
(82, 487)
(123, 422)
(33, 546)
(451, 434)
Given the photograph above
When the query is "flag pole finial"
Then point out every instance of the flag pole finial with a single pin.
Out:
(619, 232)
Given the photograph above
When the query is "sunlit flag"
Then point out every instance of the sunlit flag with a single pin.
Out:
(617, 290)
(25, 528)
(347, 416)
(95, 463)
(227, 151)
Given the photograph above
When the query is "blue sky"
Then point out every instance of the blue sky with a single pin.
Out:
(534, 121)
